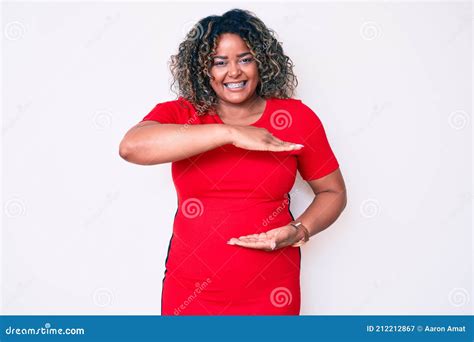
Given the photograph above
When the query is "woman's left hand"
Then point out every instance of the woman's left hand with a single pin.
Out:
(271, 240)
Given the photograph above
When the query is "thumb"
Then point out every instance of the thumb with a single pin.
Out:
(273, 244)
(274, 241)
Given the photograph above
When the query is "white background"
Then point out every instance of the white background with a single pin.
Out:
(84, 232)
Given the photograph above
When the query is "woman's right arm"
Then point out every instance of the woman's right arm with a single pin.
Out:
(150, 142)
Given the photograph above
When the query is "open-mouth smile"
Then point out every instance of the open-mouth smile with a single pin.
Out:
(235, 85)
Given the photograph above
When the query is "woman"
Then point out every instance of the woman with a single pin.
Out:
(235, 138)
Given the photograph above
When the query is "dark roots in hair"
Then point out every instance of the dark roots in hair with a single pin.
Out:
(191, 66)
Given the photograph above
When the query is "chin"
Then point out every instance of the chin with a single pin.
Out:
(236, 97)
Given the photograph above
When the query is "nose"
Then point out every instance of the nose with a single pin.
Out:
(234, 69)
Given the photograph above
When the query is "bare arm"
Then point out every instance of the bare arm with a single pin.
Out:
(150, 142)
(329, 202)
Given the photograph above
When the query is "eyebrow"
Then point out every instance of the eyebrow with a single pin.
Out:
(239, 55)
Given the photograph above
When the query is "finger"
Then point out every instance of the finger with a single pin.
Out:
(294, 146)
(260, 244)
(245, 238)
(286, 146)
(254, 237)
(251, 236)
(249, 244)
(277, 141)
(233, 241)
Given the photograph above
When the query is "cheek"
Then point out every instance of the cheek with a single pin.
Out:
(252, 72)
(217, 74)
(214, 80)
(216, 86)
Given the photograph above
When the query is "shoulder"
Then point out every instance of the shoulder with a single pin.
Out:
(292, 104)
(177, 111)
(178, 105)
(289, 102)
(180, 109)
(299, 112)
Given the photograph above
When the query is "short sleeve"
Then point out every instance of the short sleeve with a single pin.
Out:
(163, 112)
(316, 159)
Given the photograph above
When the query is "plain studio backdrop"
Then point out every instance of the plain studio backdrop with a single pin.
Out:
(85, 232)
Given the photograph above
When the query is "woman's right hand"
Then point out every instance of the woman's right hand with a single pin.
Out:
(259, 139)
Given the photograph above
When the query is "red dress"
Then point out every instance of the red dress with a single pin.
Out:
(229, 192)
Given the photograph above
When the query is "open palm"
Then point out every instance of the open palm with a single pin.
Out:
(270, 240)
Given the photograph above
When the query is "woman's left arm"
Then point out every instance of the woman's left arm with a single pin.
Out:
(329, 202)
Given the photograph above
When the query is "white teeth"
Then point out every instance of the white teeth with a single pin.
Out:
(235, 85)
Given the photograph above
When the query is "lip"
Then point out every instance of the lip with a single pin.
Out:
(236, 89)
(235, 81)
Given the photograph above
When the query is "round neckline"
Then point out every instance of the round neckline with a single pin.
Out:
(260, 119)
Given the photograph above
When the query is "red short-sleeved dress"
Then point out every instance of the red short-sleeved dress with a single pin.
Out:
(230, 192)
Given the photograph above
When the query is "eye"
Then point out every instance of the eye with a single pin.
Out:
(218, 63)
(247, 60)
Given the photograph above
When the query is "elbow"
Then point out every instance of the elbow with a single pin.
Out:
(126, 150)
(344, 199)
(136, 154)
(340, 196)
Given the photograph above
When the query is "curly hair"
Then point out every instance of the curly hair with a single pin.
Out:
(190, 67)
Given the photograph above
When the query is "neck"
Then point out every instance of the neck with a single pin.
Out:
(240, 110)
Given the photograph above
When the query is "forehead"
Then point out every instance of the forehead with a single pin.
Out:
(230, 43)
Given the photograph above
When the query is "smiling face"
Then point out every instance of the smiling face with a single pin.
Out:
(234, 70)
